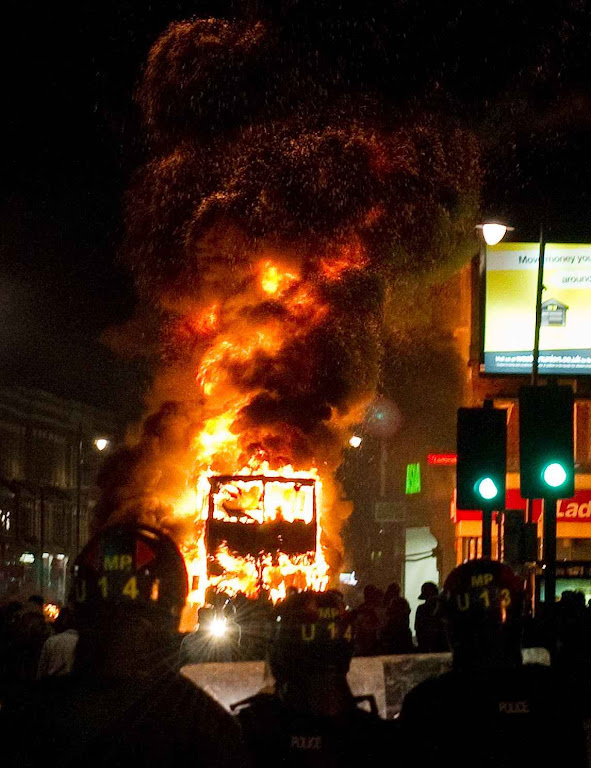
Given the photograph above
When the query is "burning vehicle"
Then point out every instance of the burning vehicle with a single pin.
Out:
(257, 532)
(262, 520)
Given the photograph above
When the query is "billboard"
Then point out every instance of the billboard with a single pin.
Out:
(510, 309)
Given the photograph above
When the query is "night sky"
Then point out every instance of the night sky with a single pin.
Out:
(520, 80)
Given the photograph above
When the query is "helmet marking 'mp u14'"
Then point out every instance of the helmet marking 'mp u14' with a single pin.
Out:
(131, 563)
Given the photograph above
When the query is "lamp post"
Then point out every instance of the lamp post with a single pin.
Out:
(539, 292)
(370, 490)
(382, 421)
(101, 444)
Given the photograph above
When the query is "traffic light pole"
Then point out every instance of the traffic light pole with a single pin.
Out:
(487, 516)
(549, 551)
(547, 466)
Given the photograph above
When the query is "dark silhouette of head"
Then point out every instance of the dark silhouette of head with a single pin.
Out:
(428, 590)
(129, 589)
(482, 602)
(65, 620)
(372, 595)
(35, 603)
(394, 590)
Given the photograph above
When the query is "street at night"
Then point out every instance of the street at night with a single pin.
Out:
(295, 410)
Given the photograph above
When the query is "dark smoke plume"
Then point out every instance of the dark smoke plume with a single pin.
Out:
(258, 154)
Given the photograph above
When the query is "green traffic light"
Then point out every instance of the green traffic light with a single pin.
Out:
(487, 489)
(554, 475)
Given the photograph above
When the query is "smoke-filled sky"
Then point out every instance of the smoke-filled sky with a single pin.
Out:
(518, 83)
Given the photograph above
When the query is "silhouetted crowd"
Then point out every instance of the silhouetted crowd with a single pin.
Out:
(382, 622)
(101, 686)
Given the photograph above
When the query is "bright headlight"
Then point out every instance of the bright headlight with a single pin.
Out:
(217, 628)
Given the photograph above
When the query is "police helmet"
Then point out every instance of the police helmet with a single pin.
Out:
(481, 596)
(313, 633)
(130, 564)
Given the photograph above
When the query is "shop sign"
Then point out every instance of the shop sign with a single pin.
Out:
(510, 300)
(442, 459)
(413, 479)
(575, 509)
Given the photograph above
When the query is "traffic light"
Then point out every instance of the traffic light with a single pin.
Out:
(546, 445)
(482, 458)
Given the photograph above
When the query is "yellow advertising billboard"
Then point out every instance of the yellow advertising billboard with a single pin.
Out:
(510, 309)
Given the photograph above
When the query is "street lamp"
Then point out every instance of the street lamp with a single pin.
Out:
(493, 231)
(382, 420)
(355, 441)
(101, 443)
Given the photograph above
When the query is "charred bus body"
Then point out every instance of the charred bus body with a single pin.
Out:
(262, 521)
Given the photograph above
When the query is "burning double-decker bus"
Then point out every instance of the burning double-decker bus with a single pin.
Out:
(257, 532)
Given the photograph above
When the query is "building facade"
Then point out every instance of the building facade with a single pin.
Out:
(573, 515)
(49, 463)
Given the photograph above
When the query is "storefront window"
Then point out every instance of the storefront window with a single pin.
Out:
(49, 458)
(5, 516)
(12, 450)
(29, 519)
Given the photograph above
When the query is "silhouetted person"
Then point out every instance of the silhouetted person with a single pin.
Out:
(491, 709)
(10, 619)
(429, 621)
(57, 656)
(255, 621)
(312, 718)
(8, 615)
(573, 631)
(395, 634)
(31, 632)
(124, 703)
(567, 634)
(366, 620)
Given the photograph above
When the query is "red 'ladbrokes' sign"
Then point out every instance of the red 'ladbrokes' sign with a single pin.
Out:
(442, 459)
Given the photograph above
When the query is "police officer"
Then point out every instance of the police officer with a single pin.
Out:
(428, 621)
(312, 718)
(491, 709)
(124, 704)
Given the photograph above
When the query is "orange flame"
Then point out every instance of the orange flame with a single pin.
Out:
(349, 256)
(273, 281)
(51, 611)
(248, 516)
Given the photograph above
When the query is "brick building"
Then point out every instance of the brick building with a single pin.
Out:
(48, 467)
